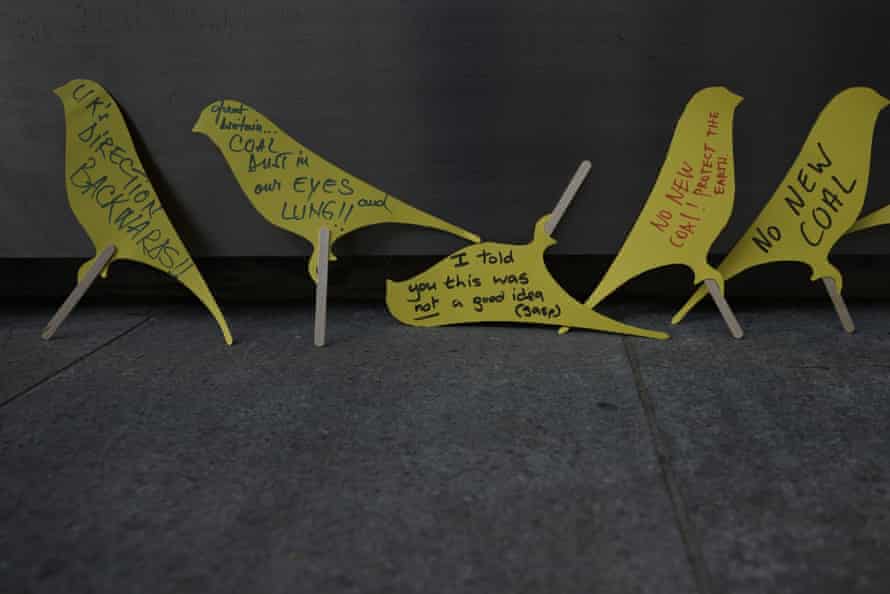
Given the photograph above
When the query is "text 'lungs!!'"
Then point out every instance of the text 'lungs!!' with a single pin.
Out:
(295, 189)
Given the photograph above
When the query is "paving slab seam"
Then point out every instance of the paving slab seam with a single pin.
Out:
(74, 362)
(662, 451)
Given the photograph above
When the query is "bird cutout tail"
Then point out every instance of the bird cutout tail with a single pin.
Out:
(400, 213)
(195, 283)
(404, 213)
(691, 199)
(700, 292)
(294, 188)
(873, 219)
(112, 197)
(820, 197)
(190, 277)
(496, 282)
(625, 272)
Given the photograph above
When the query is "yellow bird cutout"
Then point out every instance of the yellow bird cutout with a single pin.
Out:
(690, 202)
(873, 219)
(297, 190)
(496, 282)
(114, 200)
(818, 200)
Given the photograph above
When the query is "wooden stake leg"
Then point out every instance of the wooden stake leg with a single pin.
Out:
(568, 194)
(321, 286)
(728, 316)
(563, 204)
(82, 287)
(839, 306)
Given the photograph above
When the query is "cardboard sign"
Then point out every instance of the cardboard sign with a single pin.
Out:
(691, 201)
(873, 219)
(294, 188)
(112, 197)
(818, 200)
(496, 282)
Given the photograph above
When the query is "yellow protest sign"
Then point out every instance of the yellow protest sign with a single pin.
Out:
(496, 282)
(818, 200)
(112, 197)
(297, 190)
(690, 202)
(873, 219)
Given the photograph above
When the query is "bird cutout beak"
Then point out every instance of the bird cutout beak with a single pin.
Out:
(199, 127)
(735, 97)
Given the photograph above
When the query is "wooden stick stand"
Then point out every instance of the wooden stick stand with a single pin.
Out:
(728, 316)
(839, 306)
(82, 287)
(321, 286)
(567, 196)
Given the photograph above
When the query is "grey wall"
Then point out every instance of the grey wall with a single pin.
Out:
(478, 112)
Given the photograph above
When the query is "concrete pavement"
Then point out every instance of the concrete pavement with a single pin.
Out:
(140, 454)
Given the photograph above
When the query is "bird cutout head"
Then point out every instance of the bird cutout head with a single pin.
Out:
(112, 197)
(295, 189)
(691, 200)
(820, 197)
(496, 282)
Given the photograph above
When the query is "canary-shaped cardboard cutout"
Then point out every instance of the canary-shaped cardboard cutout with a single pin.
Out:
(112, 197)
(691, 201)
(294, 188)
(873, 219)
(496, 282)
(818, 200)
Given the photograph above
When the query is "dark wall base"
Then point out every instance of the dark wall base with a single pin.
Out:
(364, 278)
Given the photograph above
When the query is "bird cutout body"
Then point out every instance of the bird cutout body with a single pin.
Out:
(873, 219)
(496, 282)
(690, 202)
(297, 190)
(112, 197)
(818, 200)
